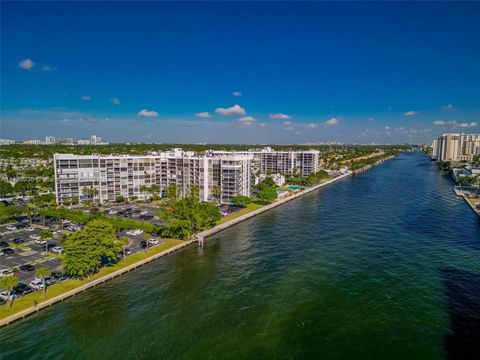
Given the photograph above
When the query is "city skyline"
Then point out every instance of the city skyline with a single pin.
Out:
(236, 73)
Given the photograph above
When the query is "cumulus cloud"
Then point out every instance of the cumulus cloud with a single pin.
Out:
(246, 120)
(115, 101)
(233, 110)
(147, 113)
(468, 125)
(203, 114)
(387, 128)
(237, 93)
(310, 126)
(410, 113)
(26, 64)
(85, 98)
(279, 116)
(332, 122)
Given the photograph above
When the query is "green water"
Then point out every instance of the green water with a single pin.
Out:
(381, 265)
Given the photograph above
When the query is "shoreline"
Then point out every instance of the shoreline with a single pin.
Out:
(198, 238)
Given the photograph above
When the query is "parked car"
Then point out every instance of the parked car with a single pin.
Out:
(5, 272)
(3, 244)
(152, 242)
(27, 267)
(58, 250)
(22, 289)
(112, 212)
(72, 228)
(59, 276)
(135, 232)
(29, 229)
(40, 242)
(35, 237)
(18, 241)
(65, 221)
(11, 227)
(8, 251)
(49, 280)
(146, 217)
(128, 252)
(36, 284)
(4, 295)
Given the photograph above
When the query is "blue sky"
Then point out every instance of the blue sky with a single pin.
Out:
(298, 72)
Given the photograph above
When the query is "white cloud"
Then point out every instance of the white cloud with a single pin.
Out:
(279, 116)
(410, 113)
(468, 125)
(233, 110)
(287, 123)
(289, 128)
(203, 114)
(332, 122)
(47, 68)
(387, 128)
(443, 123)
(26, 64)
(85, 98)
(115, 101)
(147, 113)
(310, 126)
(237, 93)
(448, 107)
(246, 120)
(263, 124)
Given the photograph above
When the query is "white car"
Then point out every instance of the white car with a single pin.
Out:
(29, 229)
(36, 284)
(35, 237)
(11, 227)
(65, 221)
(58, 250)
(112, 212)
(40, 242)
(4, 295)
(152, 242)
(144, 213)
(135, 232)
(5, 272)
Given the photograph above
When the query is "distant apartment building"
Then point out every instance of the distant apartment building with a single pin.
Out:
(121, 175)
(456, 147)
(7, 142)
(269, 161)
(32, 142)
(50, 140)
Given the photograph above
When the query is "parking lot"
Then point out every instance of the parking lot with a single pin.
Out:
(142, 212)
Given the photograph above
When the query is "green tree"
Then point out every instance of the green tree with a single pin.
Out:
(87, 249)
(46, 235)
(146, 237)
(123, 242)
(217, 193)
(241, 201)
(8, 283)
(267, 195)
(119, 199)
(42, 273)
(5, 188)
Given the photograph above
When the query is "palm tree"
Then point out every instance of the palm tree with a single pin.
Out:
(146, 237)
(9, 282)
(46, 235)
(217, 193)
(143, 189)
(123, 241)
(42, 273)
(31, 211)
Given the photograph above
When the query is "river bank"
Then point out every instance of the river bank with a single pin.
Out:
(200, 238)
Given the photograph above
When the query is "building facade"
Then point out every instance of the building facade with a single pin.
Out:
(218, 178)
(456, 147)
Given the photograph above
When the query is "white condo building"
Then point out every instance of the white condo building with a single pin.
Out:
(123, 175)
(456, 147)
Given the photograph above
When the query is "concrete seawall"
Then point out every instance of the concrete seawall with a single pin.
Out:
(477, 212)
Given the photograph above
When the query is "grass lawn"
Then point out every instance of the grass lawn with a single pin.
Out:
(249, 208)
(57, 289)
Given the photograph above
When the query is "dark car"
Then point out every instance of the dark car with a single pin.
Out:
(8, 251)
(3, 244)
(18, 241)
(143, 244)
(59, 276)
(23, 289)
(145, 217)
(27, 267)
(49, 280)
